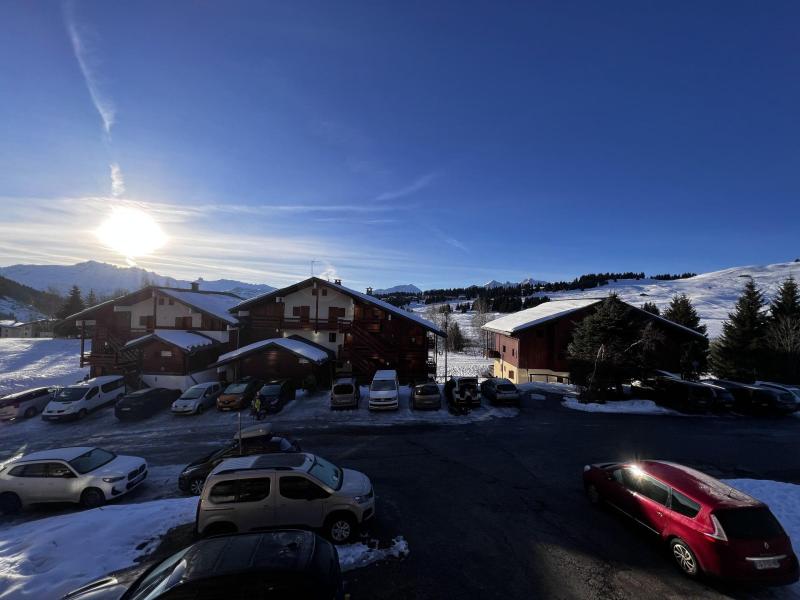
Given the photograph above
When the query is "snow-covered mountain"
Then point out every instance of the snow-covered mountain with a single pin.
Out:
(106, 279)
(20, 312)
(498, 284)
(713, 294)
(409, 288)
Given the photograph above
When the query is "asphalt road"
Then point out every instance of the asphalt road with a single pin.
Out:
(496, 509)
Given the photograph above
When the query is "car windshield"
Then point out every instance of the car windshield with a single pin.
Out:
(327, 472)
(383, 385)
(236, 388)
(193, 393)
(159, 579)
(91, 460)
(756, 523)
(428, 390)
(270, 390)
(506, 387)
(343, 388)
(70, 394)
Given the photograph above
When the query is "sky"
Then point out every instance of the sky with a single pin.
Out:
(434, 143)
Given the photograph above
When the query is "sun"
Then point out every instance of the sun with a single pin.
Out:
(131, 232)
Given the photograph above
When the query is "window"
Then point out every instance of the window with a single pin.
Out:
(146, 321)
(59, 470)
(512, 352)
(171, 301)
(655, 490)
(510, 374)
(92, 393)
(314, 291)
(683, 505)
(253, 490)
(166, 354)
(183, 322)
(17, 471)
(324, 291)
(34, 470)
(112, 385)
(332, 338)
(300, 488)
(504, 348)
(748, 523)
(223, 493)
(91, 460)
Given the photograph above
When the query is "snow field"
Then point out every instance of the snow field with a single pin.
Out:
(33, 362)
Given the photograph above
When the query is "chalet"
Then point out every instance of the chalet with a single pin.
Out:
(360, 332)
(531, 345)
(30, 329)
(168, 337)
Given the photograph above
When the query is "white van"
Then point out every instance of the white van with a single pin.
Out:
(75, 401)
(384, 391)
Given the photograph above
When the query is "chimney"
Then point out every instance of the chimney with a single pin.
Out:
(195, 286)
(369, 291)
(337, 281)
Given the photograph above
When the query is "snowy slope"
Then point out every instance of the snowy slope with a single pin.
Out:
(409, 288)
(32, 362)
(22, 312)
(105, 279)
(713, 294)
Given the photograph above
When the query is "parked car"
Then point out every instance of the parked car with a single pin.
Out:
(500, 391)
(463, 391)
(709, 526)
(756, 399)
(76, 401)
(275, 394)
(278, 490)
(239, 395)
(144, 403)
(257, 439)
(25, 404)
(345, 393)
(782, 387)
(276, 564)
(86, 475)
(384, 391)
(685, 396)
(197, 399)
(426, 395)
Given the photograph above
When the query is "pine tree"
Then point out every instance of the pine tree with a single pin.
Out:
(91, 299)
(783, 335)
(73, 304)
(682, 312)
(739, 352)
(455, 338)
(651, 308)
(786, 303)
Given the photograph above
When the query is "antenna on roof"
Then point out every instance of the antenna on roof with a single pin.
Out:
(312, 266)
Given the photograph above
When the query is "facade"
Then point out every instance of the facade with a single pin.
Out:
(167, 336)
(531, 345)
(31, 329)
(361, 333)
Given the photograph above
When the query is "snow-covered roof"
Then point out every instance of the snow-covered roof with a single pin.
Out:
(217, 304)
(530, 317)
(10, 323)
(69, 453)
(185, 340)
(352, 293)
(295, 346)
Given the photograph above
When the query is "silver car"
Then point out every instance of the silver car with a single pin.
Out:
(345, 393)
(25, 404)
(278, 490)
(85, 475)
(197, 399)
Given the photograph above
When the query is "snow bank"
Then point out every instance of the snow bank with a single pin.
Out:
(631, 407)
(355, 556)
(49, 557)
(32, 362)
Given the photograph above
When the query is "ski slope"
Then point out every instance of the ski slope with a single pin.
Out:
(33, 362)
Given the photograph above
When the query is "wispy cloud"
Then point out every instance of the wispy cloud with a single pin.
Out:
(447, 238)
(416, 186)
(117, 181)
(87, 61)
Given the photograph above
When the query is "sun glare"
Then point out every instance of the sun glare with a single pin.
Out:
(131, 232)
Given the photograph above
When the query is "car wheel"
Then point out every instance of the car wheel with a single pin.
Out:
(92, 498)
(31, 412)
(341, 528)
(10, 504)
(593, 495)
(196, 486)
(82, 413)
(684, 557)
(200, 409)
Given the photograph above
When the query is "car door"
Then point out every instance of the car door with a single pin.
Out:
(299, 502)
(620, 491)
(652, 497)
(62, 483)
(254, 506)
(34, 483)
(93, 399)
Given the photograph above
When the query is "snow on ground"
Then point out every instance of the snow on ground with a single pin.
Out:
(783, 500)
(31, 362)
(355, 556)
(21, 312)
(49, 557)
(631, 407)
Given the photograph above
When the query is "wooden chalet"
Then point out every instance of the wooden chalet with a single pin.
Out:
(167, 337)
(531, 345)
(361, 333)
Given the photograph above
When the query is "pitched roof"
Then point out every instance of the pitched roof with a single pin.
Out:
(349, 292)
(185, 340)
(298, 347)
(547, 311)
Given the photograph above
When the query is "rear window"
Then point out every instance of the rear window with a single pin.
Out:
(428, 390)
(343, 388)
(269, 390)
(383, 385)
(749, 523)
(506, 387)
(683, 505)
(236, 388)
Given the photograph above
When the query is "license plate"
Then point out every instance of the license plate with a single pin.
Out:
(761, 565)
(124, 409)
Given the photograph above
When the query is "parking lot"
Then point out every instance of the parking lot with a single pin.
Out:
(492, 508)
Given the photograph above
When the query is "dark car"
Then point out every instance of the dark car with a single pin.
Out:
(685, 396)
(426, 395)
(463, 392)
(275, 394)
(500, 391)
(257, 566)
(708, 526)
(239, 394)
(757, 400)
(144, 403)
(257, 439)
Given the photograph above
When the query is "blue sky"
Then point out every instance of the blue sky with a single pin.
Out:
(427, 142)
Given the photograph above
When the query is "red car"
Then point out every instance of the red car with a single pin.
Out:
(709, 526)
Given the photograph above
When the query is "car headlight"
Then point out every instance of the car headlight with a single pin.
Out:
(113, 479)
(361, 499)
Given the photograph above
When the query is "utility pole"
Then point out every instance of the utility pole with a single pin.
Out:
(446, 327)
(312, 266)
